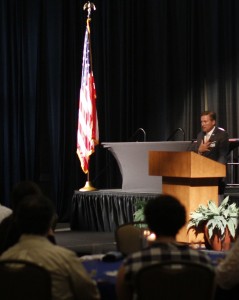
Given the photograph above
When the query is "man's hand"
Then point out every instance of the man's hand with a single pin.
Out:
(204, 147)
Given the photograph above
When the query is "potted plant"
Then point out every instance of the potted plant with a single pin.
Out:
(138, 215)
(218, 223)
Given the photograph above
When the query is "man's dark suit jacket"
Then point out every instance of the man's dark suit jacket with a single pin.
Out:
(219, 147)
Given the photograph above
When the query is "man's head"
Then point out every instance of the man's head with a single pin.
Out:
(34, 215)
(165, 215)
(23, 189)
(208, 120)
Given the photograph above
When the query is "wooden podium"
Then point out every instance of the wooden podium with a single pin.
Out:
(190, 177)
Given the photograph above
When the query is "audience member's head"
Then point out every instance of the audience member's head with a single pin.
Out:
(165, 215)
(23, 189)
(35, 214)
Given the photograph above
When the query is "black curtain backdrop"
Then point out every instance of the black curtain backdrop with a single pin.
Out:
(157, 65)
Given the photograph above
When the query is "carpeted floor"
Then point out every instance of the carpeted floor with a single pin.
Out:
(84, 243)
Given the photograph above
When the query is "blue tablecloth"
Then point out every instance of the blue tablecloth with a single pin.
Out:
(215, 256)
(105, 275)
(105, 272)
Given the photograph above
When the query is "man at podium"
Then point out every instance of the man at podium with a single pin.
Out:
(213, 142)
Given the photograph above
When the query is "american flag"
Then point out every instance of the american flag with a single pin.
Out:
(87, 132)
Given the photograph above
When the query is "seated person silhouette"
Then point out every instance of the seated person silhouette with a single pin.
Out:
(165, 216)
(9, 232)
(227, 272)
(70, 280)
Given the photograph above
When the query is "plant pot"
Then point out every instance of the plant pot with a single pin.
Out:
(217, 242)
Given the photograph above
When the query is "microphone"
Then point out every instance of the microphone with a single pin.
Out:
(140, 130)
(174, 132)
(182, 132)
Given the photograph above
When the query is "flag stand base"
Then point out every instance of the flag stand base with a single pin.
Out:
(88, 187)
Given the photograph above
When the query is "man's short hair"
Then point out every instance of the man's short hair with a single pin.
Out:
(35, 214)
(165, 215)
(212, 115)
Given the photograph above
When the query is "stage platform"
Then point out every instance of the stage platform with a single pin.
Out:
(104, 210)
(95, 216)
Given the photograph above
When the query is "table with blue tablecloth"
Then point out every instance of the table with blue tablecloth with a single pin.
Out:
(105, 272)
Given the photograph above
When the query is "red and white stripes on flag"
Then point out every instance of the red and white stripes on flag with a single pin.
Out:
(87, 132)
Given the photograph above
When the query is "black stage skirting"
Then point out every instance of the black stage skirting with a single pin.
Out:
(104, 210)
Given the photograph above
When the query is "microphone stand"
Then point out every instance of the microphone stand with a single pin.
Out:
(174, 132)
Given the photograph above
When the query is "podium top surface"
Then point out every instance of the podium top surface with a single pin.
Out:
(184, 164)
(180, 144)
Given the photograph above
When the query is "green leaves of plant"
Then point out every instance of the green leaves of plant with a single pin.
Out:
(139, 215)
(139, 212)
(215, 218)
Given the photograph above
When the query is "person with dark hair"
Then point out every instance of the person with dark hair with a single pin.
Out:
(165, 216)
(9, 231)
(35, 215)
(70, 280)
(23, 189)
(157, 214)
(213, 142)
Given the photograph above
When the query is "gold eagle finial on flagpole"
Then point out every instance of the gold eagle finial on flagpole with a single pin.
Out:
(89, 5)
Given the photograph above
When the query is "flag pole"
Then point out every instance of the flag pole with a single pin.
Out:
(88, 185)
(87, 134)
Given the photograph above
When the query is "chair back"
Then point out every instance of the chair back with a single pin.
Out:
(23, 280)
(129, 237)
(175, 280)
